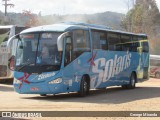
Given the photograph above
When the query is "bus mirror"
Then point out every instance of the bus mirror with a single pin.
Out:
(11, 63)
(9, 42)
(60, 41)
(139, 49)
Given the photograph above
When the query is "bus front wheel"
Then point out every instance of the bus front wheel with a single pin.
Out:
(84, 87)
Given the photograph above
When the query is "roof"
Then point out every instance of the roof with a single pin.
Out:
(64, 26)
(89, 25)
(101, 27)
(55, 27)
(129, 33)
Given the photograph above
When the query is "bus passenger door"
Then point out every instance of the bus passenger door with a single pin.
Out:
(68, 71)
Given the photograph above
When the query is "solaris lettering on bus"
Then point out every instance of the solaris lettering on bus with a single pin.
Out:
(104, 67)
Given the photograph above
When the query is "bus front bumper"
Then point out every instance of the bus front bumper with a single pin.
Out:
(38, 88)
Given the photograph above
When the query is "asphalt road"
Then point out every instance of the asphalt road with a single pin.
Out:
(145, 97)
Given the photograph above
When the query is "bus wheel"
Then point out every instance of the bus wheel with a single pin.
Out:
(84, 89)
(132, 83)
(157, 75)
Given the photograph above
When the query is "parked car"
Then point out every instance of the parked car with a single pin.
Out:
(155, 66)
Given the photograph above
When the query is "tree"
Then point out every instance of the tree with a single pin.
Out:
(144, 17)
(32, 18)
(144, 12)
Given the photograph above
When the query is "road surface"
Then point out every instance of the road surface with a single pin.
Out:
(146, 97)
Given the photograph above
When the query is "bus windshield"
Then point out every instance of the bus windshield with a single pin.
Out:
(37, 53)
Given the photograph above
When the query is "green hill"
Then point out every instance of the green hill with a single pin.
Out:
(110, 19)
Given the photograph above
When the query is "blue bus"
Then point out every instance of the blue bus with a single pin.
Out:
(77, 57)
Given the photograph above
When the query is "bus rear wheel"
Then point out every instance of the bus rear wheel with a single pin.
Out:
(132, 83)
(84, 87)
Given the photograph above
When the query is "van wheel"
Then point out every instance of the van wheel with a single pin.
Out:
(157, 75)
(132, 83)
(84, 87)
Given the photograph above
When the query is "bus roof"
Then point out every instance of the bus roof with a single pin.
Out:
(64, 26)
(102, 27)
(54, 27)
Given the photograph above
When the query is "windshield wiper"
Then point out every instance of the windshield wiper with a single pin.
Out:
(23, 66)
(50, 66)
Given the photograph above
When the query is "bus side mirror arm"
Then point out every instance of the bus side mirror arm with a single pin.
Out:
(60, 41)
(11, 39)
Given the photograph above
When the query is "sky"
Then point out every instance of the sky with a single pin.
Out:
(61, 7)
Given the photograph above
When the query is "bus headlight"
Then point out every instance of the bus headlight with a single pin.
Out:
(56, 81)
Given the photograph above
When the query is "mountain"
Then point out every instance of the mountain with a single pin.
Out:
(110, 19)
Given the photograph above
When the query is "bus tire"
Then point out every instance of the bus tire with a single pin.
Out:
(84, 87)
(132, 83)
(157, 75)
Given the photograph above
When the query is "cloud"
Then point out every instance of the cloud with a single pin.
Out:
(69, 6)
(65, 6)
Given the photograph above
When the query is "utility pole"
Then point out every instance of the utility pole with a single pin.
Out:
(6, 4)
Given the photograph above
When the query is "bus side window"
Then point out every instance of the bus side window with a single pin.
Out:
(99, 40)
(126, 41)
(135, 46)
(81, 42)
(114, 42)
(134, 38)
